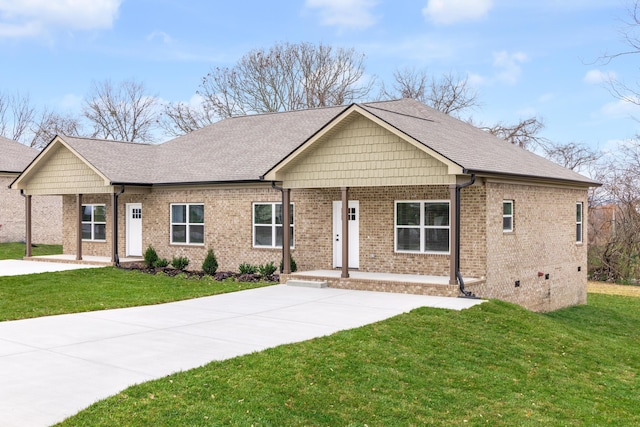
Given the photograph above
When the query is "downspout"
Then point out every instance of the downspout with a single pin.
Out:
(281, 190)
(115, 225)
(465, 293)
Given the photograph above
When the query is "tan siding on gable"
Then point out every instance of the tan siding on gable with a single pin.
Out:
(65, 173)
(363, 154)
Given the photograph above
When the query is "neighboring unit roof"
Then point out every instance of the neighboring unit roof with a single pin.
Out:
(15, 157)
(245, 148)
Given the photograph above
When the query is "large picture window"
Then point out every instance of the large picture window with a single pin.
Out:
(579, 222)
(422, 226)
(94, 222)
(267, 225)
(187, 223)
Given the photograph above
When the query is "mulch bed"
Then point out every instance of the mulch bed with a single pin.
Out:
(191, 274)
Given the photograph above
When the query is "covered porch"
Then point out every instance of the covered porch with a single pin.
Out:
(382, 282)
(86, 259)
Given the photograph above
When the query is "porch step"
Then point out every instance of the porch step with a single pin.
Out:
(307, 283)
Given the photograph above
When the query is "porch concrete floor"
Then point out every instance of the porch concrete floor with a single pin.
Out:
(86, 259)
(389, 277)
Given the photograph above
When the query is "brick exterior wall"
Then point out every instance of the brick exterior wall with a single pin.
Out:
(543, 240)
(46, 216)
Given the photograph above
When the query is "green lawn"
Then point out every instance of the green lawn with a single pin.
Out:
(17, 250)
(495, 364)
(76, 291)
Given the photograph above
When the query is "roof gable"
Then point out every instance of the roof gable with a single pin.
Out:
(59, 169)
(356, 149)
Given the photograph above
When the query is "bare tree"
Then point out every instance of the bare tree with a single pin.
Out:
(450, 94)
(50, 124)
(180, 118)
(286, 77)
(16, 115)
(572, 155)
(124, 112)
(628, 92)
(523, 134)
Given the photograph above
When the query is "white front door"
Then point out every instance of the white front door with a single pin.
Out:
(354, 234)
(134, 229)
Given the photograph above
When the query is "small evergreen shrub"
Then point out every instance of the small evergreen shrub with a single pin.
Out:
(246, 268)
(161, 263)
(292, 265)
(180, 262)
(267, 269)
(150, 257)
(210, 264)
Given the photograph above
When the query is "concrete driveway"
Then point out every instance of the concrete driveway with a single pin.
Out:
(15, 267)
(52, 367)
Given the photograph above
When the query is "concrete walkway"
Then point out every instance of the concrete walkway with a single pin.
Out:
(15, 267)
(52, 367)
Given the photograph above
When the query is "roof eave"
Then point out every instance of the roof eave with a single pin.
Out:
(533, 178)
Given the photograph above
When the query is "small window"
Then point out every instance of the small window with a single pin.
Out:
(507, 216)
(94, 223)
(267, 225)
(187, 224)
(579, 222)
(422, 226)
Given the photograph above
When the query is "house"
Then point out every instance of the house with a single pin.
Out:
(390, 196)
(47, 227)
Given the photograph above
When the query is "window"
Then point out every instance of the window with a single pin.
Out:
(422, 226)
(187, 223)
(579, 222)
(507, 216)
(267, 225)
(94, 222)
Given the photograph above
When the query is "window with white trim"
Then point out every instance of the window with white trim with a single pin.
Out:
(94, 223)
(579, 222)
(422, 226)
(507, 216)
(267, 225)
(187, 223)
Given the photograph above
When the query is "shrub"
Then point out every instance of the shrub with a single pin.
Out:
(267, 269)
(180, 262)
(292, 265)
(246, 268)
(210, 264)
(161, 263)
(150, 257)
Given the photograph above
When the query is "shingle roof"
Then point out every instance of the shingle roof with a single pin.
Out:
(472, 148)
(245, 148)
(15, 157)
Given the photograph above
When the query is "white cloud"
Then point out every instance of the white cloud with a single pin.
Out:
(452, 11)
(509, 63)
(166, 38)
(31, 18)
(622, 108)
(345, 13)
(598, 77)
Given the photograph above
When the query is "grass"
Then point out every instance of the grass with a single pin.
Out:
(495, 364)
(75, 291)
(17, 250)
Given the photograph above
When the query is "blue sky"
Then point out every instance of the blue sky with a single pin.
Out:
(525, 58)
